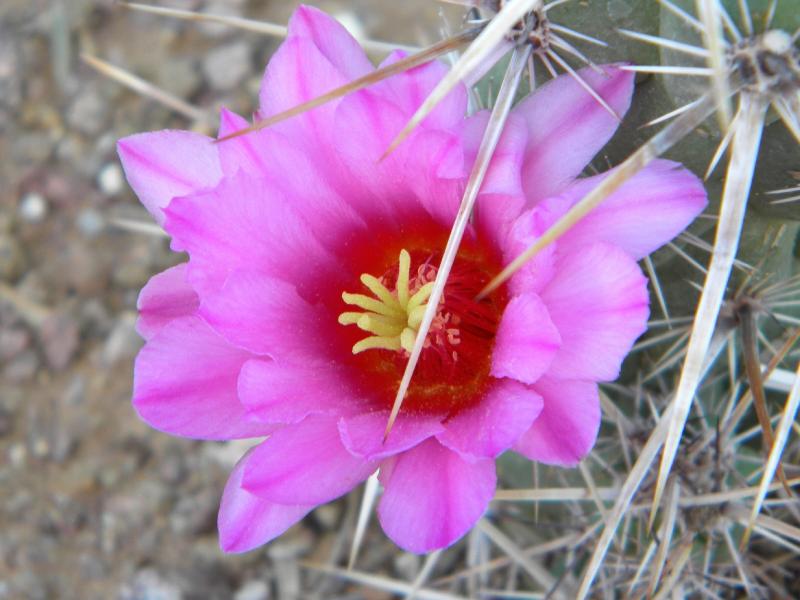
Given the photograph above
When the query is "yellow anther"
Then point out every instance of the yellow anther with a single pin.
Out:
(371, 304)
(380, 327)
(415, 317)
(349, 318)
(391, 317)
(402, 278)
(380, 291)
(407, 339)
(377, 343)
(420, 298)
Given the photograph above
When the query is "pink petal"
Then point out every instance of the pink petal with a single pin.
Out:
(502, 198)
(526, 340)
(409, 89)
(165, 164)
(299, 72)
(567, 127)
(277, 392)
(363, 434)
(166, 297)
(332, 40)
(417, 174)
(266, 154)
(304, 464)
(645, 213)
(491, 427)
(246, 521)
(245, 223)
(267, 316)
(242, 152)
(567, 427)
(599, 303)
(537, 272)
(185, 384)
(432, 496)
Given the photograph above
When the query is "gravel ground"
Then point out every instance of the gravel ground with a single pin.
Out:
(94, 504)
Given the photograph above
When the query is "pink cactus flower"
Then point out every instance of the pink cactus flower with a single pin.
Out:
(310, 262)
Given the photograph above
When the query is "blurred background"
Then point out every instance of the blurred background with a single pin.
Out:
(93, 503)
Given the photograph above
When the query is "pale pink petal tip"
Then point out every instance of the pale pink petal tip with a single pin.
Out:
(432, 496)
(567, 126)
(246, 521)
(645, 213)
(163, 165)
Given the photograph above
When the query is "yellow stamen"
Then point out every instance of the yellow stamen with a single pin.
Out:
(380, 291)
(371, 304)
(420, 298)
(381, 328)
(415, 317)
(392, 317)
(350, 318)
(377, 343)
(407, 339)
(402, 278)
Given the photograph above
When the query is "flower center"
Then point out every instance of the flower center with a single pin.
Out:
(454, 366)
(393, 318)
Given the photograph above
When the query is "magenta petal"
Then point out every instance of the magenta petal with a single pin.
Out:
(567, 127)
(526, 340)
(492, 426)
(645, 213)
(599, 303)
(537, 272)
(502, 198)
(166, 297)
(245, 223)
(185, 384)
(267, 316)
(305, 464)
(246, 521)
(165, 164)
(243, 152)
(299, 72)
(276, 392)
(432, 496)
(409, 89)
(567, 427)
(363, 434)
(333, 41)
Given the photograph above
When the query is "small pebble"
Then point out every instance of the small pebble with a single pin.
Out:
(110, 179)
(33, 207)
(90, 222)
(253, 590)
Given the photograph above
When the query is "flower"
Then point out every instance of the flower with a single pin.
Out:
(310, 261)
